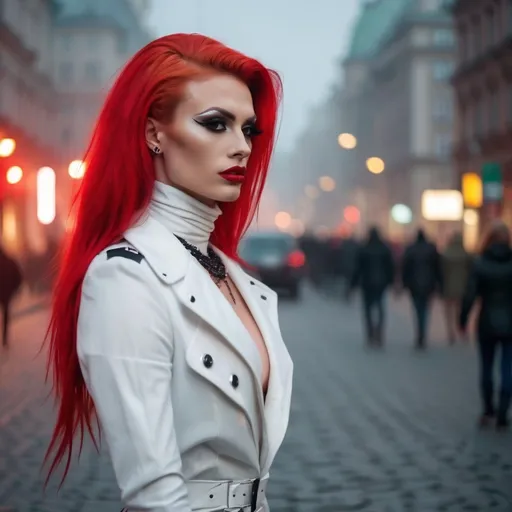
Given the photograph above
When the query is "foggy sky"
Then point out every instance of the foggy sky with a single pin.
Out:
(301, 39)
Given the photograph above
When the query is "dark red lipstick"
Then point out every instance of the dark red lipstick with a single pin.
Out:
(234, 174)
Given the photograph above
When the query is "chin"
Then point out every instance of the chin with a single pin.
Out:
(229, 194)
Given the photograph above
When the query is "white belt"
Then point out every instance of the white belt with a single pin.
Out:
(242, 494)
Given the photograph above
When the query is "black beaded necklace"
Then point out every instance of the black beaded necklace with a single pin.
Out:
(211, 262)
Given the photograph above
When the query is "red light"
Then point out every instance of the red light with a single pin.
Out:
(296, 259)
(351, 214)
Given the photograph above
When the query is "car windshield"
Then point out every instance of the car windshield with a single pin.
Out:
(255, 248)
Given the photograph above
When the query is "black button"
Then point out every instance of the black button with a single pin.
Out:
(208, 360)
(192, 298)
(252, 282)
(234, 381)
(263, 297)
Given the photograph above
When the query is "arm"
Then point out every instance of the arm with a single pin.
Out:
(470, 295)
(125, 346)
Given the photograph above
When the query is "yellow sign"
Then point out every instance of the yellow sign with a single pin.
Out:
(472, 190)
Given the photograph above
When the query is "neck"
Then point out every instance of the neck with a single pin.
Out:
(184, 215)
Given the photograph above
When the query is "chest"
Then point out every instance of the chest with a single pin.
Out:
(240, 308)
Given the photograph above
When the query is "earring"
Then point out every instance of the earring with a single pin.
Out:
(156, 150)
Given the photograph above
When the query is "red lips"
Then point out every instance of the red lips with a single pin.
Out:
(234, 174)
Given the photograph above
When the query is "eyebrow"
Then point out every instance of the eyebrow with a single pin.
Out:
(227, 114)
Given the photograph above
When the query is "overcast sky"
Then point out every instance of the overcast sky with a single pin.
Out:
(301, 39)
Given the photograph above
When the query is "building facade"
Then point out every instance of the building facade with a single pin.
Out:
(483, 89)
(58, 59)
(402, 112)
(28, 116)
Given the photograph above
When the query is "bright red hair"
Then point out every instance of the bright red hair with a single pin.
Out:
(118, 184)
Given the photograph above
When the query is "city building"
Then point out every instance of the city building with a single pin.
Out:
(92, 41)
(400, 108)
(483, 89)
(28, 119)
(58, 59)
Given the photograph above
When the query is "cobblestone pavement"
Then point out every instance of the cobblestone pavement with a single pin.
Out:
(386, 431)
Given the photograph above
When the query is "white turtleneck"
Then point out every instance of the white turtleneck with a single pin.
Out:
(183, 215)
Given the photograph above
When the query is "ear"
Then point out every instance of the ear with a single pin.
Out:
(152, 134)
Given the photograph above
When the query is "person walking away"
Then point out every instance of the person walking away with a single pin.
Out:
(10, 283)
(490, 281)
(374, 273)
(455, 268)
(421, 276)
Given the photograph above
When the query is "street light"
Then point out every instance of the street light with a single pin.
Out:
(7, 147)
(375, 165)
(283, 220)
(76, 169)
(347, 140)
(46, 195)
(14, 175)
(327, 184)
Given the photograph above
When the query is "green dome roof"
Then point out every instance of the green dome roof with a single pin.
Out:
(376, 20)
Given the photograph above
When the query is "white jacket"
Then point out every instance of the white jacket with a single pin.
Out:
(161, 352)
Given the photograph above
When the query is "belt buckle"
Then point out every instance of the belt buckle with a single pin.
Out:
(254, 494)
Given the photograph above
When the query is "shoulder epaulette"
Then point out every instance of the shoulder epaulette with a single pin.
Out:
(125, 252)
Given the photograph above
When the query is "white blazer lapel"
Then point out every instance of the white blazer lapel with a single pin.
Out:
(262, 303)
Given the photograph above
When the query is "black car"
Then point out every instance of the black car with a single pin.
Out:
(275, 259)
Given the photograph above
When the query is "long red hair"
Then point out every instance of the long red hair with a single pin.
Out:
(118, 184)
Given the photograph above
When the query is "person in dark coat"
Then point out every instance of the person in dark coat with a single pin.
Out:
(10, 283)
(374, 273)
(491, 281)
(421, 276)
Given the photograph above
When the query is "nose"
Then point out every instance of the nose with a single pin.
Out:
(241, 148)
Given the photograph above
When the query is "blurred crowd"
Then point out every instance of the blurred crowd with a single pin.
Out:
(420, 270)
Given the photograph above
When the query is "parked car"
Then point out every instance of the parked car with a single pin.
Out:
(275, 259)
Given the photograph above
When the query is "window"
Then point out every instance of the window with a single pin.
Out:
(431, 5)
(479, 117)
(443, 108)
(65, 41)
(442, 70)
(93, 42)
(443, 145)
(66, 72)
(443, 37)
(494, 120)
(92, 72)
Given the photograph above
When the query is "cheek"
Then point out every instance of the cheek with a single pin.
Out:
(191, 144)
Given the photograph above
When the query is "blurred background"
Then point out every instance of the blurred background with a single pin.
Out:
(394, 158)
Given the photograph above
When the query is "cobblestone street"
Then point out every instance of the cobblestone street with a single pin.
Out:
(383, 431)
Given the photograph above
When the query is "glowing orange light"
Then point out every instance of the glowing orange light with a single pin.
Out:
(14, 175)
(76, 169)
(46, 195)
(7, 147)
(352, 214)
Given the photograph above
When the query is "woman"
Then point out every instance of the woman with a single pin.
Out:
(455, 267)
(491, 281)
(156, 330)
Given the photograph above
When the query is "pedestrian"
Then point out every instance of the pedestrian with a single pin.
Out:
(10, 282)
(156, 330)
(374, 272)
(455, 267)
(490, 281)
(421, 276)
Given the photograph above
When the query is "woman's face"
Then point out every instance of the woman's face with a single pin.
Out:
(210, 133)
